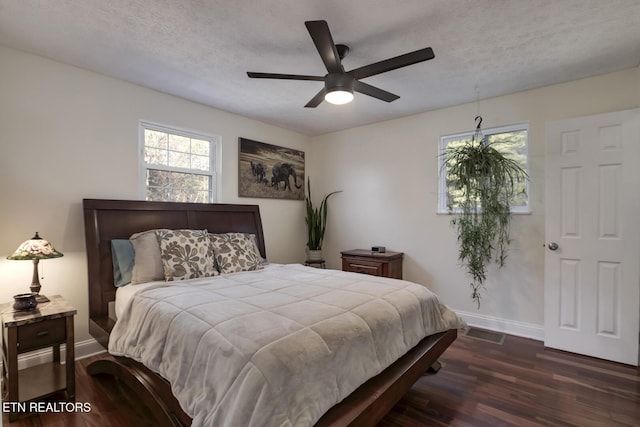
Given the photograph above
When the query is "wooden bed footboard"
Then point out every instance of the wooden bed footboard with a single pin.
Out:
(154, 391)
(370, 402)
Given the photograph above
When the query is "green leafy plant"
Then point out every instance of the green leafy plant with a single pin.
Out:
(316, 219)
(487, 181)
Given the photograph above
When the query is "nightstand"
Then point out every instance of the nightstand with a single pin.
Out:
(50, 324)
(385, 264)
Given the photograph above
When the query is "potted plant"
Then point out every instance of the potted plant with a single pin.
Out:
(485, 182)
(316, 219)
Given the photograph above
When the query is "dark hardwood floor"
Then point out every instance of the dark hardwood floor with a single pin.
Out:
(518, 383)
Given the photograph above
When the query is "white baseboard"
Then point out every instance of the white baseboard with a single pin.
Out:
(511, 327)
(82, 349)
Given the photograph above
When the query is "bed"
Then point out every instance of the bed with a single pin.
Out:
(107, 220)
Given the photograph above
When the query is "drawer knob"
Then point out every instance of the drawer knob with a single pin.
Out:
(42, 334)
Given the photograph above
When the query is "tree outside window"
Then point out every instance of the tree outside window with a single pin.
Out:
(178, 166)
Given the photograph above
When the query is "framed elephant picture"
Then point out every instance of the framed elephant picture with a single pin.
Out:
(270, 171)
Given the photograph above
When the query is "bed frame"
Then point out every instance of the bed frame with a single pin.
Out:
(118, 219)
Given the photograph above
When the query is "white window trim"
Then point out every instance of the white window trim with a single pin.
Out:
(215, 163)
(442, 187)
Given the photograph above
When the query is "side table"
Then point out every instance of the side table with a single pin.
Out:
(50, 324)
(384, 264)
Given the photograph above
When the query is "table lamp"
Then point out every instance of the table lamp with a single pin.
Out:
(35, 249)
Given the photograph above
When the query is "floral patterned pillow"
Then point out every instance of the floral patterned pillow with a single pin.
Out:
(236, 252)
(186, 254)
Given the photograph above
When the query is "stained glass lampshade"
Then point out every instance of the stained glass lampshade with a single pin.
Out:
(35, 249)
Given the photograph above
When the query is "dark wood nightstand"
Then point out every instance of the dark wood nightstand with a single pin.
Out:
(48, 325)
(385, 264)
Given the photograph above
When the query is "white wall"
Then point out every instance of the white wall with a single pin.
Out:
(68, 134)
(389, 174)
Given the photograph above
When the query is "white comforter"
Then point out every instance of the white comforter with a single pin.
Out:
(276, 347)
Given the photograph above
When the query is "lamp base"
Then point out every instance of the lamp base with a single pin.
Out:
(41, 299)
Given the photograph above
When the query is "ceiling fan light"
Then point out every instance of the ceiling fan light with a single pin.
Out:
(339, 97)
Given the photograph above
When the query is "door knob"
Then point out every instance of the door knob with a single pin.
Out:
(553, 246)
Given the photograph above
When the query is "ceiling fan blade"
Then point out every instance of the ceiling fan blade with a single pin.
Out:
(393, 63)
(316, 100)
(283, 76)
(373, 91)
(319, 32)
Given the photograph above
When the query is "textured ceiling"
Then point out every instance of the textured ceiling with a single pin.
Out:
(202, 49)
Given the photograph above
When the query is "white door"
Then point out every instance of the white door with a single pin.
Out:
(592, 254)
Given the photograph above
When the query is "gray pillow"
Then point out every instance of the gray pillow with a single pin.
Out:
(148, 265)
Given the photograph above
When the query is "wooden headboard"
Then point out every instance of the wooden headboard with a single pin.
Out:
(105, 220)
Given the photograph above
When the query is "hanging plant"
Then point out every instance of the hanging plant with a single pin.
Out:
(484, 182)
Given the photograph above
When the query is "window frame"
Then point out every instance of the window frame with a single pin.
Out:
(215, 158)
(442, 173)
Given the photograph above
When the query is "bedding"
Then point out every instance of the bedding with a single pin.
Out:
(122, 256)
(148, 259)
(273, 347)
(186, 254)
(236, 252)
(125, 293)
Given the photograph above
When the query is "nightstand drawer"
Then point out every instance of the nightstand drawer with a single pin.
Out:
(361, 266)
(41, 334)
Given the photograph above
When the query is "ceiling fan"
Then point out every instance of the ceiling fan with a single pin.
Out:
(339, 84)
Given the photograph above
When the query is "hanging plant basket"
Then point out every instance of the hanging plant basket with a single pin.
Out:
(485, 182)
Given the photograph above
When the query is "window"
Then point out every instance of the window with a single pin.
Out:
(511, 141)
(178, 166)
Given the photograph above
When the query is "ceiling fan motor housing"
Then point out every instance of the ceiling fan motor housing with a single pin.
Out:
(338, 81)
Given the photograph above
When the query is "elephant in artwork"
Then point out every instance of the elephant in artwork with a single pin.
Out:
(281, 173)
(258, 170)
